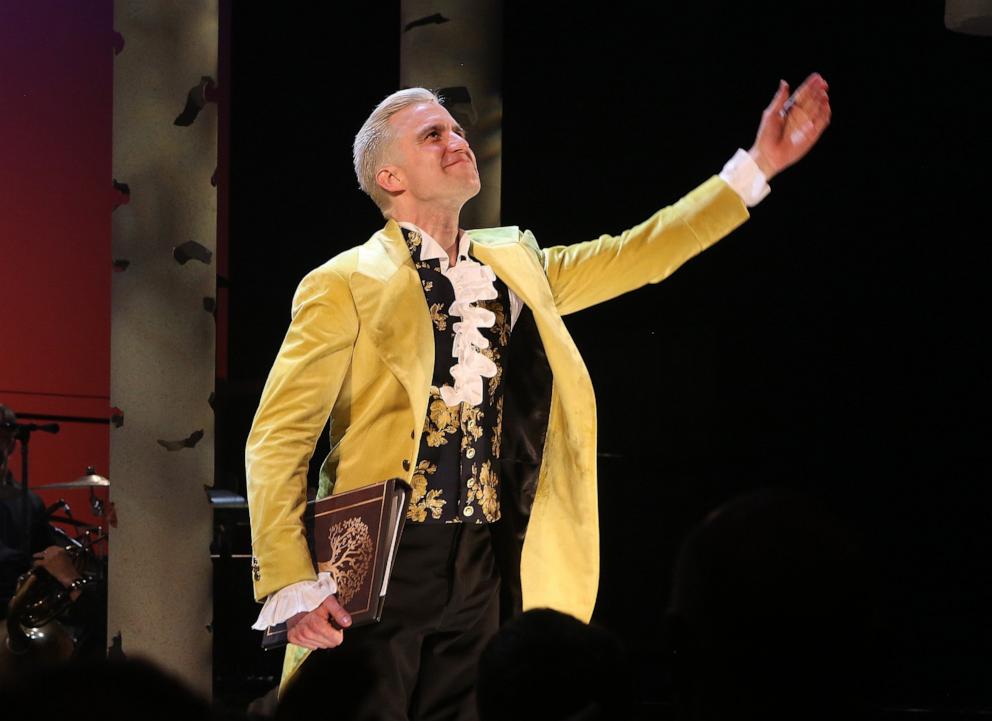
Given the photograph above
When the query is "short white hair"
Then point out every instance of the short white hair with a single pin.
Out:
(375, 136)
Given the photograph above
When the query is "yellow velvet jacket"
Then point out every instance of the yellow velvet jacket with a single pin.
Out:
(360, 349)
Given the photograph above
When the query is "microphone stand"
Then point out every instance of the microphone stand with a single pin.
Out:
(23, 434)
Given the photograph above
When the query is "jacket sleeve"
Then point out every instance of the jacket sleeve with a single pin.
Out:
(296, 402)
(584, 274)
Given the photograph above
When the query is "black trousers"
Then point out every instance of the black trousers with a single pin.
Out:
(419, 662)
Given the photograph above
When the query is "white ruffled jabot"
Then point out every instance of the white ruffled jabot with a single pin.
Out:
(300, 597)
(472, 282)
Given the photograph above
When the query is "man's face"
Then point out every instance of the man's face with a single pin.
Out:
(433, 158)
(6, 443)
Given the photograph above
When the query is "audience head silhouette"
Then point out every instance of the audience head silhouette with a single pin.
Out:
(122, 690)
(547, 666)
(770, 612)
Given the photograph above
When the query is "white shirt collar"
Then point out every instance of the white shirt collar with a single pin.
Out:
(430, 249)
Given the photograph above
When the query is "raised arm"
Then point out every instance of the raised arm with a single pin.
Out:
(587, 273)
(584, 274)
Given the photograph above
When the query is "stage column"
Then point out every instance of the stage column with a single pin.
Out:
(163, 333)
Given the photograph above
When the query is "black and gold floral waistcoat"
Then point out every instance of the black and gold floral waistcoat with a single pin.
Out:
(457, 475)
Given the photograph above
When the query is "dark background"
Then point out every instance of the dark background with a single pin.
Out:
(834, 343)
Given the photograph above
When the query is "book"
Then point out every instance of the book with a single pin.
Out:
(354, 536)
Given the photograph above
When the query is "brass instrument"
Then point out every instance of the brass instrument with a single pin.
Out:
(35, 635)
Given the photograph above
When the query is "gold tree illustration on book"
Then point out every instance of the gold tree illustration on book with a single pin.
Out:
(351, 556)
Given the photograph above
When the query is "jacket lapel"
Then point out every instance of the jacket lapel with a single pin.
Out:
(392, 308)
(514, 264)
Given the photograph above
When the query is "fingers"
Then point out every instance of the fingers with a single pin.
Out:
(336, 610)
(313, 630)
(776, 109)
(813, 85)
(800, 127)
(812, 96)
(314, 637)
(822, 111)
(316, 630)
(808, 111)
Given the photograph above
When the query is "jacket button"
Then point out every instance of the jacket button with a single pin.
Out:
(406, 465)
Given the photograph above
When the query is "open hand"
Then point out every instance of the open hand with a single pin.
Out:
(315, 630)
(790, 126)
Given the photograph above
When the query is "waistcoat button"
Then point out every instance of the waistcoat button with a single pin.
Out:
(406, 465)
(468, 510)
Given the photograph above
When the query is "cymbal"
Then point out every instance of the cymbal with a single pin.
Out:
(90, 480)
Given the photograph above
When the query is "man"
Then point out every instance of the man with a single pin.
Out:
(44, 547)
(491, 418)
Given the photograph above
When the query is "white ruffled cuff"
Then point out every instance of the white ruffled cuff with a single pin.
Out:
(301, 597)
(472, 282)
(744, 176)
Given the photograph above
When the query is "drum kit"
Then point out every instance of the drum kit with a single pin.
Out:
(40, 628)
(89, 480)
